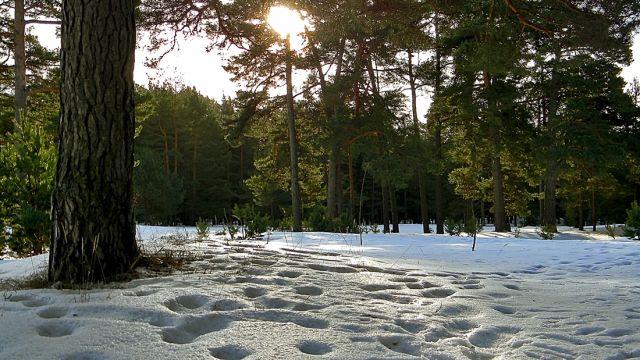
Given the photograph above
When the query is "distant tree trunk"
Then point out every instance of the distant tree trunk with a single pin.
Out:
(394, 209)
(20, 58)
(500, 222)
(580, 213)
(439, 185)
(175, 150)
(385, 207)
(194, 171)
(333, 186)
(593, 209)
(331, 100)
(93, 232)
(437, 133)
(552, 166)
(165, 150)
(549, 217)
(296, 199)
(422, 181)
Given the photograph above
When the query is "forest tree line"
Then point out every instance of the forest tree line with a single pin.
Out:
(529, 117)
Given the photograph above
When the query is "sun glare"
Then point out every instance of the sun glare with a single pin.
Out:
(285, 21)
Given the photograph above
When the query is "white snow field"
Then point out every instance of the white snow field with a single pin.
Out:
(324, 296)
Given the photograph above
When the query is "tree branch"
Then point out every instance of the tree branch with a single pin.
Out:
(523, 20)
(43, 22)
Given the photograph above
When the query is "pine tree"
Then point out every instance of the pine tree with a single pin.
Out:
(93, 236)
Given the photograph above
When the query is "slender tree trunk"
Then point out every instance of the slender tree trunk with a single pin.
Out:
(552, 168)
(165, 141)
(93, 232)
(422, 181)
(331, 100)
(194, 173)
(332, 179)
(549, 217)
(175, 149)
(580, 213)
(439, 185)
(500, 222)
(20, 58)
(296, 200)
(394, 209)
(437, 133)
(593, 209)
(352, 190)
(385, 207)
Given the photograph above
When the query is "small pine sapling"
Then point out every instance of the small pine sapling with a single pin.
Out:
(611, 230)
(546, 232)
(202, 229)
(633, 220)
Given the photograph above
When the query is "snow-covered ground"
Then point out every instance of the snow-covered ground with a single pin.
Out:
(322, 295)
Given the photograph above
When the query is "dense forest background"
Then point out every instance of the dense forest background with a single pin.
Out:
(530, 122)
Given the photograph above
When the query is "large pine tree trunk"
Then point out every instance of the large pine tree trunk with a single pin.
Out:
(20, 58)
(93, 235)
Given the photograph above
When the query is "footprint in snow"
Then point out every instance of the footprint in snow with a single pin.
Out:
(230, 352)
(341, 269)
(411, 325)
(404, 279)
(507, 310)
(379, 287)
(29, 300)
(263, 262)
(86, 355)
(400, 344)
(512, 287)
(53, 312)
(56, 329)
(588, 330)
(282, 316)
(313, 347)
(438, 293)
(141, 292)
(617, 332)
(289, 274)
(192, 328)
(489, 336)
(186, 303)
(229, 305)
(254, 292)
(309, 290)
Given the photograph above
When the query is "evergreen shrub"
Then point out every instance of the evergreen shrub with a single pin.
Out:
(202, 228)
(633, 221)
(255, 223)
(453, 227)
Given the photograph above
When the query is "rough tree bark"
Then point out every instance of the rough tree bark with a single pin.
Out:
(93, 232)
